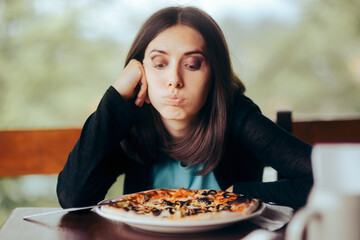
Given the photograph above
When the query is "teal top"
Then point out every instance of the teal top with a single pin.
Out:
(172, 174)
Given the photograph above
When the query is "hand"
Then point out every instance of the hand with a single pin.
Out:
(130, 80)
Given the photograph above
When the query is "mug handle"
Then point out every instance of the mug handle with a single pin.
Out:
(297, 226)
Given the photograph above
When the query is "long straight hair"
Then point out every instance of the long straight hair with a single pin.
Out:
(204, 145)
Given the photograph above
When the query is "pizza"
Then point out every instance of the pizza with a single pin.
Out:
(181, 204)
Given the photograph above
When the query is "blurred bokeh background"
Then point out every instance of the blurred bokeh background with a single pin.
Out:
(58, 57)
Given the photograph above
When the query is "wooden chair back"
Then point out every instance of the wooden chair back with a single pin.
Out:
(35, 151)
(321, 131)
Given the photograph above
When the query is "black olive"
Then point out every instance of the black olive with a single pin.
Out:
(212, 192)
(205, 193)
(168, 203)
(156, 212)
(205, 200)
(226, 208)
(197, 210)
(171, 210)
(218, 207)
(226, 195)
(180, 203)
(189, 212)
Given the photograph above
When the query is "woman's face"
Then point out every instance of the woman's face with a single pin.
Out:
(178, 74)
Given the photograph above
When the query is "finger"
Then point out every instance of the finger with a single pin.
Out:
(142, 94)
(129, 79)
(147, 99)
(137, 71)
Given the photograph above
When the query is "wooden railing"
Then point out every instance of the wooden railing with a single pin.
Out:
(45, 151)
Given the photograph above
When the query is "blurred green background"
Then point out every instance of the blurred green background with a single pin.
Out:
(58, 57)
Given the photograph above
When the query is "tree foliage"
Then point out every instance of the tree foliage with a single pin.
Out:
(311, 65)
(52, 74)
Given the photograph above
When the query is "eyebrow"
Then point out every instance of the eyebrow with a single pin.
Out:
(186, 53)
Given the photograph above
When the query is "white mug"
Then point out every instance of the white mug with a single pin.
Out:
(333, 208)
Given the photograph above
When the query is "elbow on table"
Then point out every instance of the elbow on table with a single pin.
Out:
(68, 198)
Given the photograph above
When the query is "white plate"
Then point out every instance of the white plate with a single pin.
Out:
(169, 226)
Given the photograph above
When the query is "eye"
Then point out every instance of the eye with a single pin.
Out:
(159, 62)
(193, 64)
(160, 66)
(191, 67)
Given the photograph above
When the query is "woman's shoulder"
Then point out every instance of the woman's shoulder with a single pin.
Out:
(242, 107)
(243, 103)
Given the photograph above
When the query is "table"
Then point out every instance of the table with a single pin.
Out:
(90, 225)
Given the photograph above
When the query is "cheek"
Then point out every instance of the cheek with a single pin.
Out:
(201, 89)
(154, 86)
(204, 93)
(202, 96)
(151, 93)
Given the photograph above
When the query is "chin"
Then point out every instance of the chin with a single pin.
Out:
(173, 114)
(172, 117)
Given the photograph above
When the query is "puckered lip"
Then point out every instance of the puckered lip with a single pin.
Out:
(174, 99)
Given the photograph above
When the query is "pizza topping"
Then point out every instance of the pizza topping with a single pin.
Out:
(156, 212)
(205, 200)
(175, 204)
(210, 192)
(171, 210)
(226, 195)
(168, 203)
(179, 203)
(226, 208)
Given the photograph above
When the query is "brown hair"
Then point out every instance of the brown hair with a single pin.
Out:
(205, 144)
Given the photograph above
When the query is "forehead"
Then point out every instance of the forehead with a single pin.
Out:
(178, 38)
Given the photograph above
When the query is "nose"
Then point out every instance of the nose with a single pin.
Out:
(175, 79)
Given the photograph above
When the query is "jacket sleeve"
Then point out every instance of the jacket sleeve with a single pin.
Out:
(96, 159)
(275, 147)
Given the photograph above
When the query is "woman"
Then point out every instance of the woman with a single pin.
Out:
(177, 117)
